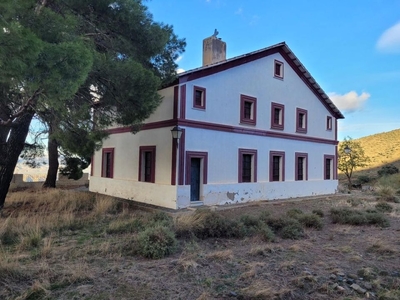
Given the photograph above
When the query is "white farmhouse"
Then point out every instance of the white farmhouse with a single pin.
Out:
(254, 127)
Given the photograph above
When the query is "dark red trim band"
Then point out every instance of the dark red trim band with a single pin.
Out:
(226, 128)
(181, 168)
(176, 100)
(182, 113)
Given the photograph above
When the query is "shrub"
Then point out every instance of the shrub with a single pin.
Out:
(294, 213)
(286, 227)
(156, 242)
(208, 224)
(311, 220)
(125, 226)
(266, 234)
(292, 231)
(354, 217)
(388, 170)
(162, 218)
(364, 179)
(377, 219)
(8, 236)
(264, 215)
(384, 207)
(250, 224)
(386, 193)
(318, 212)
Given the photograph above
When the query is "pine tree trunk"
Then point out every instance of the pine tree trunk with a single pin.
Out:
(52, 145)
(13, 148)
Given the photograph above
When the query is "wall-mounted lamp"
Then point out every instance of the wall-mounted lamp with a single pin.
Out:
(347, 150)
(176, 132)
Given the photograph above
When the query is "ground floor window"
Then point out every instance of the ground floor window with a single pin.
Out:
(107, 166)
(329, 167)
(247, 165)
(147, 163)
(301, 166)
(277, 166)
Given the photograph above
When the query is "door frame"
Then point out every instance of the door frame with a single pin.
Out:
(203, 168)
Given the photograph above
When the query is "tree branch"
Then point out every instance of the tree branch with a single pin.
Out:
(21, 110)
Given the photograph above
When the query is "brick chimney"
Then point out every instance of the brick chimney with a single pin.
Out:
(214, 50)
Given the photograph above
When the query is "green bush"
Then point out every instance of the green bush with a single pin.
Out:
(292, 231)
(311, 220)
(205, 224)
(355, 217)
(318, 212)
(264, 215)
(363, 179)
(388, 170)
(156, 242)
(266, 234)
(251, 224)
(384, 207)
(294, 213)
(161, 218)
(8, 236)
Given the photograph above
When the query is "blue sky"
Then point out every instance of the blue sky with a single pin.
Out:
(351, 47)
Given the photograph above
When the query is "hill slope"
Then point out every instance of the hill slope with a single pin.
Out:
(382, 148)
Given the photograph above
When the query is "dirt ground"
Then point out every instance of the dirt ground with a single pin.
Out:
(336, 262)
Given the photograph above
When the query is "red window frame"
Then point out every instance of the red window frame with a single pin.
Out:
(245, 118)
(281, 155)
(329, 123)
(281, 123)
(278, 69)
(202, 91)
(107, 163)
(332, 167)
(304, 174)
(301, 117)
(253, 165)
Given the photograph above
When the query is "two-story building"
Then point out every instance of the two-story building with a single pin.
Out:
(254, 127)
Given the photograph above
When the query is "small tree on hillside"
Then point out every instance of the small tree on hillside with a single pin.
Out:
(351, 157)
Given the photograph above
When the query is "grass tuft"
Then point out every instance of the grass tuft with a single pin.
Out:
(156, 242)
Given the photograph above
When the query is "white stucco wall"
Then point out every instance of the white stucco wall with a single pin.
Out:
(126, 154)
(151, 193)
(221, 194)
(256, 79)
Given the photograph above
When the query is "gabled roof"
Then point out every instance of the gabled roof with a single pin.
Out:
(281, 48)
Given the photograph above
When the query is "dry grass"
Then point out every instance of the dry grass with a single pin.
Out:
(64, 246)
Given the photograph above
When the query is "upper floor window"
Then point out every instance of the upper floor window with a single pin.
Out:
(248, 110)
(276, 166)
(301, 120)
(328, 123)
(278, 69)
(199, 97)
(107, 163)
(277, 116)
(147, 163)
(247, 165)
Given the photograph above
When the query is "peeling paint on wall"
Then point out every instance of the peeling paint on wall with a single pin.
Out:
(231, 196)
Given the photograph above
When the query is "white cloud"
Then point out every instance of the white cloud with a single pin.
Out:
(349, 102)
(239, 11)
(178, 71)
(389, 41)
